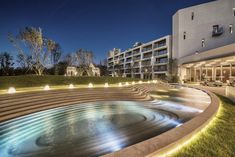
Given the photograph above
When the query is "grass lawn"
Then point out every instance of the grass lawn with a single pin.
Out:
(218, 140)
(53, 80)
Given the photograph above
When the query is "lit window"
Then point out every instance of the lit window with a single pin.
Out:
(203, 42)
(184, 35)
(192, 16)
(233, 11)
(231, 29)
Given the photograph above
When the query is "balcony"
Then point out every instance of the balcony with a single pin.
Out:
(128, 54)
(161, 61)
(147, 48)
(217, 31)
(136, 51)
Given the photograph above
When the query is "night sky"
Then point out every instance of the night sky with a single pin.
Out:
(97, 25)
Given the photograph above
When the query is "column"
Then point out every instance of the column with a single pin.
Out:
(221, 72)
(206, 74)
(230, 71)
(200, 73)
(195, 74)
(213, 73)
(190, 74)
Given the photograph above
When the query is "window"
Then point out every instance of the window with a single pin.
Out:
(215, 28)
(184, 35)
(231, 29)
(192, 16)
(203, 42)
(233, 11)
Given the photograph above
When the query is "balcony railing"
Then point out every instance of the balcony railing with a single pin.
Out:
(146, 49)
(217, 32)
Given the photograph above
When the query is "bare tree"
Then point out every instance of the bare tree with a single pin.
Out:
(37, 48)
(84, 58)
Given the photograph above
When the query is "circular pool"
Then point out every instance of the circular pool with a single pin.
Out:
(89, 129)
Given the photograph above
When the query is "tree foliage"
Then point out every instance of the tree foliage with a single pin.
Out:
(38, 49)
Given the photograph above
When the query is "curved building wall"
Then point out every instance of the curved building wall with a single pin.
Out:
(192, 25)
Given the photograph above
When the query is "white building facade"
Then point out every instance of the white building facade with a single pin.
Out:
(204, 41)
(146, 61)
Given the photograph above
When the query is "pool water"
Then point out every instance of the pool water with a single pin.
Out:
(89, 129)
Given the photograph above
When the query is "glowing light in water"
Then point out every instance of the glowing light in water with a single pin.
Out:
(90, 85)
(47, 87)
(71, 86)
(106, 85)
(11, 90)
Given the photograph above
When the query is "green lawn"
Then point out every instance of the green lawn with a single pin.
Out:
(218, 140)
(35, 81)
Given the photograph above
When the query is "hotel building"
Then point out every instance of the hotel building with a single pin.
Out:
(147, 61)
(204, 41)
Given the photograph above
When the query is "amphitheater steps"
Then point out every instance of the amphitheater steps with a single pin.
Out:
(19, 104)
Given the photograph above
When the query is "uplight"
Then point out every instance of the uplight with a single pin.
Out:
(148, 82)
(90, 85)
(71, 86)
(106, 85)
(47, 87)
(140, 82)
(133, 83)
(127, 84)
(11, 90)
(120, 84)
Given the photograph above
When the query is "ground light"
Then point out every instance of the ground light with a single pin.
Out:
(11, 90)
(120, 84)
(71, 86)
(127, 84)
(133, 83)
(90, 85)
(47, 87)
(148, 82)
(140, 82)
(106, 85)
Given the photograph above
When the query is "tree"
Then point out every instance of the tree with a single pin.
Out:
(56, 52)
(84, 59)
(6, 63)
(37, 48)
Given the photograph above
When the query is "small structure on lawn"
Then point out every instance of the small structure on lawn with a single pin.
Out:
(80, 71)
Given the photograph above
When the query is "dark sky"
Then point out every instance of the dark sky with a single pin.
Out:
(97, 25)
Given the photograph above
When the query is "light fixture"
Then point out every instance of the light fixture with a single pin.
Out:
(106, 85)
(140, 82)
(133, 83)
(127, 84)
(120, 84)
(90, 85)
(47, 87)
(11, 90)
(148, 82)
(71, 86)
